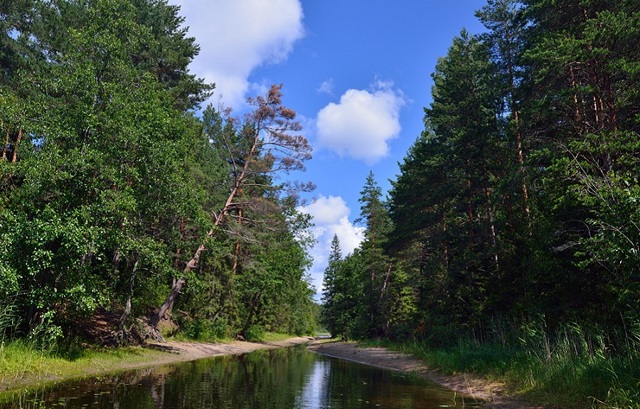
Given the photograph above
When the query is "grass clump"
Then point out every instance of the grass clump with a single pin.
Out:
(568, 368)
(275, 337)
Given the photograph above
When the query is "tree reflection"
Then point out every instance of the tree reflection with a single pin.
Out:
(280, 378)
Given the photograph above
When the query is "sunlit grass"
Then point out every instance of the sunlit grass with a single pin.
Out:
(561, 373)
(23, 364)
(275, 337)
(322, 333)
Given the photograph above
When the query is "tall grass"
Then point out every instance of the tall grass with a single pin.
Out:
(568, 368)
(8, 322)
(17, 357)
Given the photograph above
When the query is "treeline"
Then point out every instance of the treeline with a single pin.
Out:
(117, 200)
(517, 208)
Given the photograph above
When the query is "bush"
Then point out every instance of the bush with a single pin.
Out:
(203, 329)
(255, 333)
(46, 334)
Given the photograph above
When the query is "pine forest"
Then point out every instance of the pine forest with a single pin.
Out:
(513, 223)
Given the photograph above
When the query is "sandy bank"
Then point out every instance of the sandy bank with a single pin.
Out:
(152, 354)
(491, 392)
(189, 351)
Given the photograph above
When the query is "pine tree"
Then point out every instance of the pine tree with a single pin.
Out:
(585, 64)
(330, 283)
(464, 117)
(374, 215)
(262, 146)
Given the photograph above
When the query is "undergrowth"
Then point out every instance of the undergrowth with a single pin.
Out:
(570, 368)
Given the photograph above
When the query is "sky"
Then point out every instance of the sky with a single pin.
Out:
(357, 72)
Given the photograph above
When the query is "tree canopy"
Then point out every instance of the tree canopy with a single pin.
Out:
(517, 204)
(113, 190)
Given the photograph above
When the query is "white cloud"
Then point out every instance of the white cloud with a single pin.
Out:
(326, 87)
(327, 210)
(236, 36)
(331, 217)
(362, 123)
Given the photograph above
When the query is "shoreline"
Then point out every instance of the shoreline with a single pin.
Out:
(492, 393)
(146, 356)
(162, 353)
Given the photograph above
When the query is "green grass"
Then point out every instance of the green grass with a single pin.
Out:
(559, 377)
(24, 364)
(275, 337)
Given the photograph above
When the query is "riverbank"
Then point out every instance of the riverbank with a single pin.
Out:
(42, 370)
(21, 368)
(491, 392)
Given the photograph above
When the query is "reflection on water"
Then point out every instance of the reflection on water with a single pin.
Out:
(282, 378)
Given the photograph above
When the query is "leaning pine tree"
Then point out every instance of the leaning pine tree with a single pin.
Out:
(269, 144)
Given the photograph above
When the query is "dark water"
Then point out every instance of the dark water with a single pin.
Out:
(282, 378)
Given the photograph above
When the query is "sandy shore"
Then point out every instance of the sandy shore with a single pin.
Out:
(190, 351)
(491, 392)
(152, 354)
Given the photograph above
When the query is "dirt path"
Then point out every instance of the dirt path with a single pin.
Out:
(491, 392)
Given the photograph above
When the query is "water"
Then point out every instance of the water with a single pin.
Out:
(282, 378)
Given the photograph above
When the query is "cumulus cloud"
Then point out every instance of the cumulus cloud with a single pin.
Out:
(331, 217)
(362, 123)
(327, 210)
(236, 36)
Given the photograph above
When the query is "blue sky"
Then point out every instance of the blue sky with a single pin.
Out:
(357, 72)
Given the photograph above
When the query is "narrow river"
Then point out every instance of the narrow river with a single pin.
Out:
(282, 378)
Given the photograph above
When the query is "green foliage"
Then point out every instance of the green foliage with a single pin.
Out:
(570, 368)
(342, 311)
(255, 333)
(205, 330)
(9, 320)
(109, 182)
(514, 216)
(46, 334)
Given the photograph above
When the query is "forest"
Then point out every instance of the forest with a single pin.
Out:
(514, 221)
(122, 198)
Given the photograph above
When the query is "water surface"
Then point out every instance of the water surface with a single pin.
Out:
(281, 378)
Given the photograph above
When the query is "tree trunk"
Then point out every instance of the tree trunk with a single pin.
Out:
(15, 147)
(6, 145)
(520, 153)
(168, 302)
(385, 284)
(492, 226)
(445, 247)
(252, 312)
(519, 150)
(127, 308)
